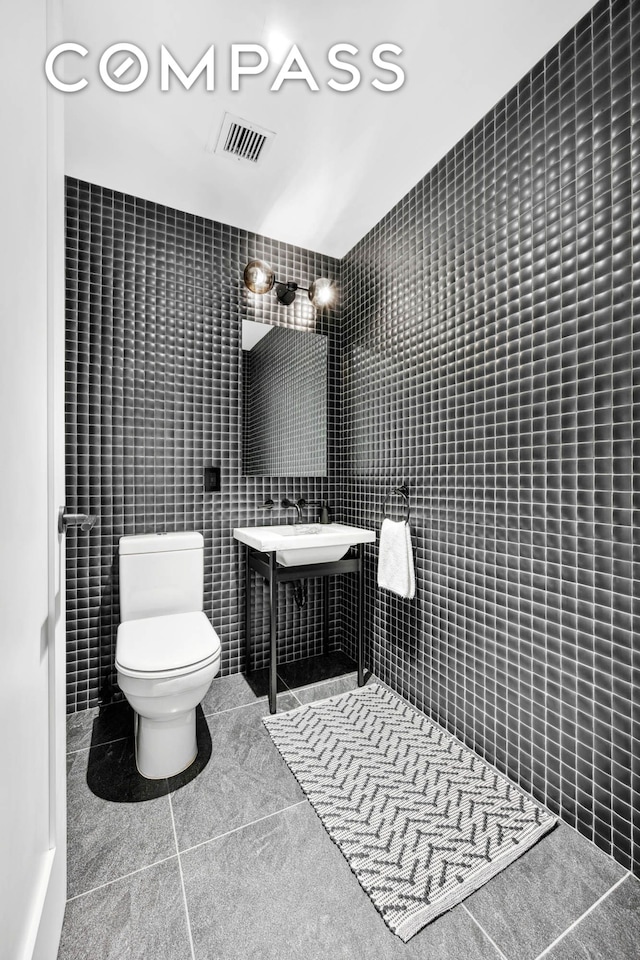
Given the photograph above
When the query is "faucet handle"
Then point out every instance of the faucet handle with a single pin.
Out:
(325, 512)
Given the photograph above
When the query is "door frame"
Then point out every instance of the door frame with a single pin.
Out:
(51, 894)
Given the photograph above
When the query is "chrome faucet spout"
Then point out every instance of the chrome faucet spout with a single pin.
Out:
(297, 505)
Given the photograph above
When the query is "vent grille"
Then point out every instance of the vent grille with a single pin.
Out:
(241, 140)
(246, 144)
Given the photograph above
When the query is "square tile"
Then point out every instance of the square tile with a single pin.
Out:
(245, 779)
(136, 918)
(535, 899)
(281, 890)
(611, 930)
(117, 821)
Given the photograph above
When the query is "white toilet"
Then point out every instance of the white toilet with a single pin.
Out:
(167, 652)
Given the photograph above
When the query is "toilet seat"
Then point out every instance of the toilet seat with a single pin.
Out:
(167, 646)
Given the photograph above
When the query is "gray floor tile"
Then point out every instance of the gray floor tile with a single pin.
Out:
(240, 689)
(136, 918)
(535, 899)
(245, 779)
(281, 890)
(237, 690)
(108, 838)
(612, 930)
(89, 728)
(329, 688)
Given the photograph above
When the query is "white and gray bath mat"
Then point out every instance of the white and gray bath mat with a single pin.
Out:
(421, 820)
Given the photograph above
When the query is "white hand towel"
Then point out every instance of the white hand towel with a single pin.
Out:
(395, 559)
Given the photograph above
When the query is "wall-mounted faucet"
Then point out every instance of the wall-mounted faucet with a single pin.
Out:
(296, 504)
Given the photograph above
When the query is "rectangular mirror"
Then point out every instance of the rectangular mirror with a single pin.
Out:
(284, 402)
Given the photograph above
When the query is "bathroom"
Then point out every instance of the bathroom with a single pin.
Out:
(478, 378)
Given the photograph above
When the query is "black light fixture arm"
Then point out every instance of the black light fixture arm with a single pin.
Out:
(260, 279)
(290, 284)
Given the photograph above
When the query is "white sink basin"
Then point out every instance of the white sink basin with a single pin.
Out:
(304, 543)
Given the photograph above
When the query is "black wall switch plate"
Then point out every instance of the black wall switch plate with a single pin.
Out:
(212, 479)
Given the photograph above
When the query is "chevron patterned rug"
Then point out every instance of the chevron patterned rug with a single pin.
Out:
(421, 820)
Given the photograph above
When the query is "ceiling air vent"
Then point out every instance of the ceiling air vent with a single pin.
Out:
(241, 140)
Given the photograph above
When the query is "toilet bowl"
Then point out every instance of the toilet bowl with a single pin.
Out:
(167, 652)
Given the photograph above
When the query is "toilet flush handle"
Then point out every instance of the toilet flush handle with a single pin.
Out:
(86, 521)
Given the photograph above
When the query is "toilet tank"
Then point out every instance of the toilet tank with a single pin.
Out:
(161, 573)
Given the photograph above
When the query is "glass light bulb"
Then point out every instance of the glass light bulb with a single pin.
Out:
(258, 276)
(323, 292)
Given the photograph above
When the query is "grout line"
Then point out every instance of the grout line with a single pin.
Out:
(286, 685)
(93, 746)
(243, 826)
(243, 706)
(184, 892)
(484, 932)
(173, 823)
(124, 876)
(288, 689)
(240, 706)
(293, 694)
(585, 914)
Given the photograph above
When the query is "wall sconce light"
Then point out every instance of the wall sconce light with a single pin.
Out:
(260, 278)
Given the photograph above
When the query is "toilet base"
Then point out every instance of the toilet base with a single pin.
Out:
(165, 747)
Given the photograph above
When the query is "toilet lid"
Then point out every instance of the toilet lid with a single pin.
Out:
(173, 642)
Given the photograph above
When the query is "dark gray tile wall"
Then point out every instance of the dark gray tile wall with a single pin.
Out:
(155, 301)
(284, 404)
(491, 350)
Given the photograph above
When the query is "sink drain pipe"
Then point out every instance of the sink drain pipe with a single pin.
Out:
(300, 593)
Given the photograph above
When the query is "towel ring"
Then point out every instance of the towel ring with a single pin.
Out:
(403, 491)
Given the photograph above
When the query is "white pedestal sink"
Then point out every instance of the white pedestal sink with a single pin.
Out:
(304, 543)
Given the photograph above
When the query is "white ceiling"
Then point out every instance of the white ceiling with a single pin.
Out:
(339, 161)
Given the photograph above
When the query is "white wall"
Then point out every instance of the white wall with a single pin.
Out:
(30, 187)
